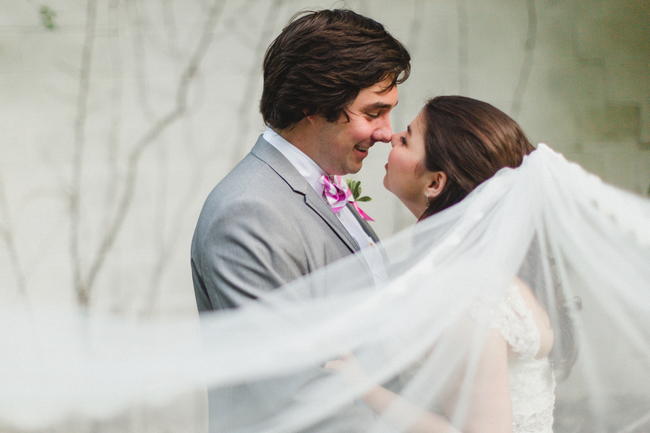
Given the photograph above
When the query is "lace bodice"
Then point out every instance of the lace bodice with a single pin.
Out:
(532, 384)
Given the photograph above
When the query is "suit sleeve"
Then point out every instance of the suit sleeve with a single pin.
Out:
(249, 250)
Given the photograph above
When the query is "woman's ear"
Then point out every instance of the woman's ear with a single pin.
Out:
(436, 184)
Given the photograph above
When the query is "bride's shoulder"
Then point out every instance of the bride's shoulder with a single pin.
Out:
(519, 318)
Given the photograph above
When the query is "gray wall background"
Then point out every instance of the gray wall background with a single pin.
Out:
(119, 116)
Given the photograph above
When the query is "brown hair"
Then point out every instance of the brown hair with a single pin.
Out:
(320, 62)
(468, 140)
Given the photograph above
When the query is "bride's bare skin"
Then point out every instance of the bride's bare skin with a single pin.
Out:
(489, 408)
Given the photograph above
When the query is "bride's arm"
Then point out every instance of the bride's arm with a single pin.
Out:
(489, 409)
(490, 406)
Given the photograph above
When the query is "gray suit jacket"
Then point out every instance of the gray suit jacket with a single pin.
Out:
(261, 227)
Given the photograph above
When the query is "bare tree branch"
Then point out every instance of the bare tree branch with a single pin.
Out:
(159, 210)
(113, 137)
(79, 145)
(244, 110)
(140, 61)
(149, 137)
(232, 25)
(526, 67)
(167, 241)
(7, 234)
(416, 26)
(165, 252)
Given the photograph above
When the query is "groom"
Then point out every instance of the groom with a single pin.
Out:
(330, 82)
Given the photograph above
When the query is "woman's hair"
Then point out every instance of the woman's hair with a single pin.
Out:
(320, 62)
(468, 140)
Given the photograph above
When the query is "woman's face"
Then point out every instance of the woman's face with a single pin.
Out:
(406, 175)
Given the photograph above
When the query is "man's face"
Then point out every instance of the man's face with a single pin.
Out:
(342, 145)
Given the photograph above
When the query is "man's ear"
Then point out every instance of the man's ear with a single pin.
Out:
(314, 120)
(311, 118)
(436, 184)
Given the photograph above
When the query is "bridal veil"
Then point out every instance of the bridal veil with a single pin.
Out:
(580, 246)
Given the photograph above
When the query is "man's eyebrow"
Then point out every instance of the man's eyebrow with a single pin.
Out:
(379, 106)
(408, 129)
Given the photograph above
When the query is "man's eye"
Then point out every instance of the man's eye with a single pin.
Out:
(373, 115)
(403, 139)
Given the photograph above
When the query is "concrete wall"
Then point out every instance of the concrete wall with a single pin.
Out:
(110, 146)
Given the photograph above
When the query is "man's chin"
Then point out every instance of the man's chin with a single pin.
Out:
(352, 169)
(356, 170)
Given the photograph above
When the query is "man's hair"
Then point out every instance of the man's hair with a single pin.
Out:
(320, 62)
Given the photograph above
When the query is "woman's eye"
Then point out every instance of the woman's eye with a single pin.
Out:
(403, 139)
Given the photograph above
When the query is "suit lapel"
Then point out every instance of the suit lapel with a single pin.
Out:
(364, 224)
(370, 232)
(278, 163)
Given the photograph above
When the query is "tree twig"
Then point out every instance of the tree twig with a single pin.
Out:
(526, 67)
(79, 145)
(7, 234)
(149, 137)
(140, 61)
(244, 109)
(113, 136)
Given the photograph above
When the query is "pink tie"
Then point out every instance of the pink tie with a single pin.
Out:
(338, 195)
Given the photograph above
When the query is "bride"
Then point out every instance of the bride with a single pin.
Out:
(452, 146)
(518, 303)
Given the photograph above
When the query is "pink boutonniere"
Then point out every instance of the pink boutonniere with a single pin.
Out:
(355, 188)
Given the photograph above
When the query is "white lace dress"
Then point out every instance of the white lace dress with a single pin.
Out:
(532, 384)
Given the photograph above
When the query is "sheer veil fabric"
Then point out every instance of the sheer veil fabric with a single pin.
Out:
(545, 239)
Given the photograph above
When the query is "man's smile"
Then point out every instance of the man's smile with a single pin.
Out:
(361, 149)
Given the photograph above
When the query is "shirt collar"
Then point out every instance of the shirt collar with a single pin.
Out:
(306, 166)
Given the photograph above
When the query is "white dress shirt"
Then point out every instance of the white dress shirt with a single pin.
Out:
(312, 173)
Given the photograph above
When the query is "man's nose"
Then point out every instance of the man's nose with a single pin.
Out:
(384, 133)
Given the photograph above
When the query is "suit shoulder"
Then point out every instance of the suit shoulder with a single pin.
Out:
(252, 204)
